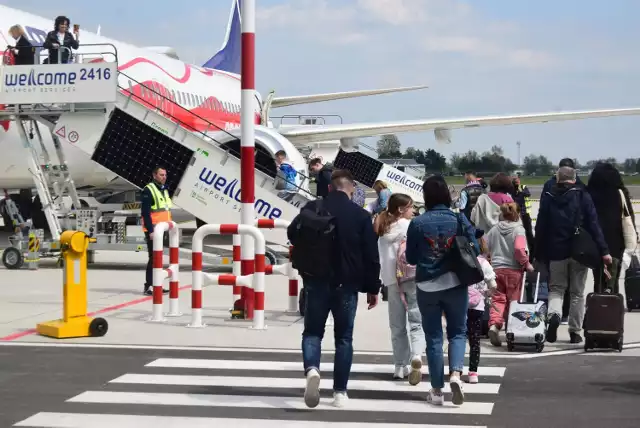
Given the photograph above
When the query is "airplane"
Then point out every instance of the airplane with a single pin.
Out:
(199, 96)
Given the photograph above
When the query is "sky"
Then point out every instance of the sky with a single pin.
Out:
(478, 58)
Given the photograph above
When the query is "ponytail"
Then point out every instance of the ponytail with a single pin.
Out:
(383, 222)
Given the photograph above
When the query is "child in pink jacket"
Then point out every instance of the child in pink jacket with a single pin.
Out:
(507, 244)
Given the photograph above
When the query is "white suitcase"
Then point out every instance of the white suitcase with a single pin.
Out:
(527, 321)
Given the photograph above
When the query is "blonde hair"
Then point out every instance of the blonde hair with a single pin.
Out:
(510, 211)
(484, 250)
(380, 185)
(16, 29)
(392, 213)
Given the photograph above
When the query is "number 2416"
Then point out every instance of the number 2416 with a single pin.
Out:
(95, 73)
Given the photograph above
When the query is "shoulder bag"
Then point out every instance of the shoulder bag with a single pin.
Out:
(583, 248)
(628, 229)
(464, 258)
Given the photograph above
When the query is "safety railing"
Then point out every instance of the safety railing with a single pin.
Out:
(255, 299)
(160, 273)
(40, 53)
(166, 105)
(283, 269)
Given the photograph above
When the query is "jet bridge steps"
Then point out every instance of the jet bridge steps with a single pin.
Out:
(203, 178)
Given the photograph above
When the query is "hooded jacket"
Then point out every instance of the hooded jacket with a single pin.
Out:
(486, 212)
(507, 242)
(548, 185)
(323, 180)
(388, 245)
(557, 221)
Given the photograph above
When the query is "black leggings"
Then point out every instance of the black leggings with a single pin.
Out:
(474, 330)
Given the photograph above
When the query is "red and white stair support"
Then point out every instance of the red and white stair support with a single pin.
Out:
(255, 281)
(160, 273)
(284, 269)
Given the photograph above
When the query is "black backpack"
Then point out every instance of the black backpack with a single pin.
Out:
(314, 248)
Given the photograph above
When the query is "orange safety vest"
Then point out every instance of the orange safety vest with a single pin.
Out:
(161, 207)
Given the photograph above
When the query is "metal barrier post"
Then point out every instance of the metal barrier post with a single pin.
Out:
(159, 273)
(289, 271)
(237, 269)
(256, 278)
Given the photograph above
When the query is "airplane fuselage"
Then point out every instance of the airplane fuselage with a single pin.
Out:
(189, 94)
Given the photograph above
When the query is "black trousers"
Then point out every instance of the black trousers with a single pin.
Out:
(528, 230)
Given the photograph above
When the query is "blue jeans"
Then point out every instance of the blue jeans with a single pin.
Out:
(454, 303)
(342, 302)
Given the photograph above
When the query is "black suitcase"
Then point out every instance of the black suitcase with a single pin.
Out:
(632, 284)
(604, 321)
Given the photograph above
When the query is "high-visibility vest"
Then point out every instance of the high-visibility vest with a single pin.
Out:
(527, 201)
(161, 207)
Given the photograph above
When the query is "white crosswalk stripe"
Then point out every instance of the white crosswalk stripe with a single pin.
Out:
(182, 392)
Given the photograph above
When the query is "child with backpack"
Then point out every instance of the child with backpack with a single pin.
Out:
(478, 294)
(399, 277)
(507, 244)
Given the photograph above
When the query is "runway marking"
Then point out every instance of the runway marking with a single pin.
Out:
(290, 383)
(19, 334)
(287, 366)
(271, 402)
(97, 420)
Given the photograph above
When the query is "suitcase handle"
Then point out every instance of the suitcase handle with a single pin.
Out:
(524, 284)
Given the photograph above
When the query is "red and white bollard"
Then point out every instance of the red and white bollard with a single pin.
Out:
(160, 274)
(286, 269)
(255, 280)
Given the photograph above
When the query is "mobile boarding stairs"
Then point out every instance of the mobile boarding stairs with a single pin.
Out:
(128, 130)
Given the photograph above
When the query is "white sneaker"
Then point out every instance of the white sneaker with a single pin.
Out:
(435, 398)
(340, 399)
(400, 372)
(312, 391)
(456, 389)
(494, 336)
(473, 377)
(415, 376)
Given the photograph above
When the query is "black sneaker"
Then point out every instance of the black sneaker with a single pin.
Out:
(552, 328)
(148, 291)
(575, 338)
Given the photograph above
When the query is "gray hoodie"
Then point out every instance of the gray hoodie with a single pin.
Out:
(501, 242)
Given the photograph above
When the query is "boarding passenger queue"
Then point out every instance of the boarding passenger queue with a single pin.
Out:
(457, 262)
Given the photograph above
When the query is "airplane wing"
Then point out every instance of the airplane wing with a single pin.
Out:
(311, 133)
(317, 98)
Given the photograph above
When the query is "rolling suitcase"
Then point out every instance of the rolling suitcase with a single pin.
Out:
(604, 320)
(632, 284)
(527, 321)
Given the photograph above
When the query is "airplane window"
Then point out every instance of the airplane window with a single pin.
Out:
(173, 95)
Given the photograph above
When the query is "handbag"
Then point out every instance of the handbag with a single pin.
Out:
(583, 248)
(628, 229)
(465, 259)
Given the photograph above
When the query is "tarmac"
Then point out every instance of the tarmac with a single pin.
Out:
(143, 374)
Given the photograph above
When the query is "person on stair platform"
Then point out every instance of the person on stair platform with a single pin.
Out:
(61, 37)
(23, 51)
(155, 208)
(323, 176)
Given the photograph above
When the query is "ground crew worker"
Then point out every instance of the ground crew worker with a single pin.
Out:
(522, 196)
(155, 208)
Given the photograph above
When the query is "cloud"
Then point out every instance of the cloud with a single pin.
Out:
(432, 27)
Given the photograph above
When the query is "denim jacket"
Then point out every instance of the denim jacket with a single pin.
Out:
(430, 238)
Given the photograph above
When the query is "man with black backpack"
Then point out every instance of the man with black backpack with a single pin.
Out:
(470, 193)
(335, 251)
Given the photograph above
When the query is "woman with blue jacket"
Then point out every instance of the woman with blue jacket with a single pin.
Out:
(429, 242)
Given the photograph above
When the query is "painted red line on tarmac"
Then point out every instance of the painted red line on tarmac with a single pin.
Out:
(19, 334)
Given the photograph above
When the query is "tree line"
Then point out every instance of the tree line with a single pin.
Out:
(491, 161)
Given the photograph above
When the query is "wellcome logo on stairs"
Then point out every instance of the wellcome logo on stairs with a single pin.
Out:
(218, 188)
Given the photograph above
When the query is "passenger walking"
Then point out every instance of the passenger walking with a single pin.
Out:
(546, 190)
(155, 208)
(335, 251)
(429, 241)
(23, 51)
(612, 202)
(470, 193)
(383, 194)
(563, 210)
(486, 213)
(522, 196)
(285, 177)
(323, 176)
(478, 294)
(399, 278)
(507, 243)
(59, 38)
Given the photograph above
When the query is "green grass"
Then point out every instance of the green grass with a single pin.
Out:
(539, 181)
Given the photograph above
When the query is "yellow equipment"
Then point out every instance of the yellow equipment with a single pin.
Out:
(75, 322)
